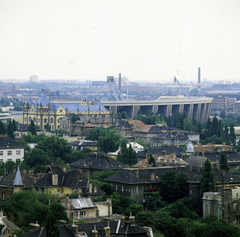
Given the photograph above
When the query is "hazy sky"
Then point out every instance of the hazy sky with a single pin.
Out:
(145, 40)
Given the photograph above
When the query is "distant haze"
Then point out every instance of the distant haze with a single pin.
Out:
(145, 40)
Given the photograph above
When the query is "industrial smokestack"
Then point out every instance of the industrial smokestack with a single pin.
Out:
(199, 75)
(120, 82)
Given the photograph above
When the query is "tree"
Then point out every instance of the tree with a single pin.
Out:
(37, 156)
(108, 140)
(207, 182)
(2, 129)
(51, 225)
(232, 135)
(151, 159)
(74, 118)
(214, 130)
(224, 163)
(47, 127)
(10, 131)
(32, 128)
(222, 114)
(126, 155)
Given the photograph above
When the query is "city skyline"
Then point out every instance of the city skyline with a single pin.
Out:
(146, 41)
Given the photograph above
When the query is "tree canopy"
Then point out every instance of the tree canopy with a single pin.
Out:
(224, 163)
(32, 128)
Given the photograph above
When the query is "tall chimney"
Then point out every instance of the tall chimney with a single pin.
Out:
(120, 83)
(199, 75)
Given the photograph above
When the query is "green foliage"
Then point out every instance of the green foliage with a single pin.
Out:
(74, 118)
(47, 127)
(173, 187)
(2, 128)
(222, 114)
(32, 128)
(154, 202)
(151, 159)
(127, 155)
(10, 130)
(224, 163)
(37, 156)
(120, 203)
(121, 115)
(142, 143)
(232, 135)
(207, 182)
(26, 207)
(108, 140)
(149, 118)
(51, 225)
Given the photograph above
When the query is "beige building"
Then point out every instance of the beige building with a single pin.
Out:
(43, 112)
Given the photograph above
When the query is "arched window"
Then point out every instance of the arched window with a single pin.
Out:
(34, 120)
(45, 120)
(30, 119)
(51, 120)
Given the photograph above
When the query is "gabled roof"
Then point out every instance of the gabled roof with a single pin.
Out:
(8, 143)
(98, 163)
(158, 150)
(5, 221)
(29, 101)
(136, 123)
(153, 129)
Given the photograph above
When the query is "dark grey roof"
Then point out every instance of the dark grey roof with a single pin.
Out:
(83, 143)
(73, 179)
(172, 135)
(8, 143)
(215, 156)
(98, 163)
(124, 123)
(65, 230)
(4, 220)
(194, 174)
(158, 150)
(193, 160)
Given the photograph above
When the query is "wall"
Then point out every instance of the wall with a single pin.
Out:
(4, 157)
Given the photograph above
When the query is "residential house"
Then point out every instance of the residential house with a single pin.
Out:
(8, 227)
(147, 132)
(211, 147)
(225, 204)
(138, 182)
(126, 128)
(161, 151)
(10, 150)
(232, 157)
(15, 181)
(82, 127)
(96, 163)
(64, 184)
(84, 208)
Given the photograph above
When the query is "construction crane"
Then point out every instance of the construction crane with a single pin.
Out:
(111, 82)
(175, 80)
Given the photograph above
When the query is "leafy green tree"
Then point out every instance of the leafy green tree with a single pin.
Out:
(94, 133)
(51, 225)
(74, 118)
(151, 159)
(37, 156)
(232, 135)
(214, 128)
(120, 203)
(225, 132)
(207, 182)
(127, 155)
(14, 125)
(154, 201)
(224, 163)
(10, 131)
(2, 128)
(108, 140)
(222, 114)
(47, 127)
(32, 128)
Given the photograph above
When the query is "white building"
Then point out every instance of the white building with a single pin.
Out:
(10, 150)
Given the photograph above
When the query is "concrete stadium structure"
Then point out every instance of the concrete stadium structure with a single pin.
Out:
(195, 107)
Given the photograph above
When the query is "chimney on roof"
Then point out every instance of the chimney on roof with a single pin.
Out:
(94, 232)
(90, 187)
(132, 220)
(107, 231)
(74, 229)
(199, 166)
(34, 226)
(218, 167)
(54, 179)
(123, 221)
(152, 176)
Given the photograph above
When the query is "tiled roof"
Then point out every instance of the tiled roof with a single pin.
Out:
(158, 150)
(137, 123)
(8, 143)
(5, 221)
(42, 99)
(98, 163)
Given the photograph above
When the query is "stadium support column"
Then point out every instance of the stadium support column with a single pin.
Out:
(135, 110)
(203, 115)
(181, 108)
(155, 109)
(208, 110)
(169, 110)
(190, 114)
(198, 111)
(114, 109)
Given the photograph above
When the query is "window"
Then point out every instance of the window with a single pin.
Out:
(237, 195)
(136, 189)
(9, 153)
(238, 221)
(122, 189)
(9, 159)
(1, 153)
(83, 213)
(76, 213)
(45, 120)
(51, 120)
(1, 160)
(237, 207)
(3, 196)
(60, 110)
(18, 152)
(116, 187)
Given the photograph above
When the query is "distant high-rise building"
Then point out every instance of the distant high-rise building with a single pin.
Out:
(199, 75)
(33, 78)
